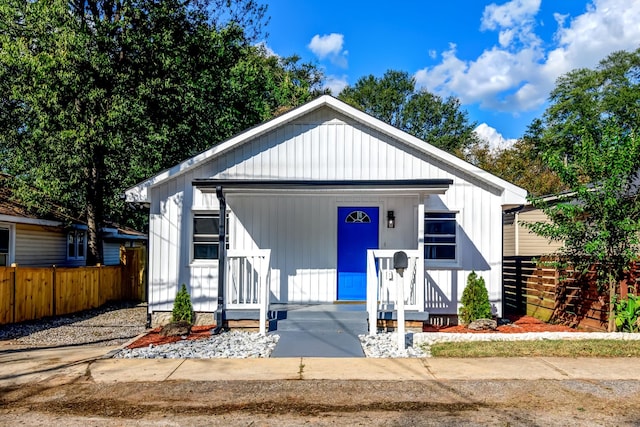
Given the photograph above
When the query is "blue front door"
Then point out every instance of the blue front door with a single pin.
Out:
(357, 232)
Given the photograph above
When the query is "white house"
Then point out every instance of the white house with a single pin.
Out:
(316, 203)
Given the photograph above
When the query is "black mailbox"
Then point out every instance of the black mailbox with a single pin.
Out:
(400, 261)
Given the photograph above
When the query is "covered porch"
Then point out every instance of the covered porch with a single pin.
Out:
(285, 246)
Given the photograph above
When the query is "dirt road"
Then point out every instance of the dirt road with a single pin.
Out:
(293, 403)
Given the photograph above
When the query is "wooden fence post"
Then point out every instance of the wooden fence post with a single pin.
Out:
(53, 292)
(519, 301)
(13, 293)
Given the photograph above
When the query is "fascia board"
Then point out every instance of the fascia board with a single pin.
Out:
(511, 194)
(30, 221)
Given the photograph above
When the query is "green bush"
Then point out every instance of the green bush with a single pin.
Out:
(475, 300)
(182, 307)
(628, 314)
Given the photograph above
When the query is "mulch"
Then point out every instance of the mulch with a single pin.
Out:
(154, 337)
(518, 325)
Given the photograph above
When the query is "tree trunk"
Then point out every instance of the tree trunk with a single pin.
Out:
(95, 211)
(612, 298)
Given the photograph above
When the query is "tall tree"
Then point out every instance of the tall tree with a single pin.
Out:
(598, 221)
(395, 100)
(520, 164)
(589, 136)
(586, 101)
(96, 95)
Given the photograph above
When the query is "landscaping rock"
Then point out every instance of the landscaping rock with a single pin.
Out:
(175, 329)
(483, 325)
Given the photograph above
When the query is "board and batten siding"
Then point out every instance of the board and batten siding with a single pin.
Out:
(301, 230)
(39, 246)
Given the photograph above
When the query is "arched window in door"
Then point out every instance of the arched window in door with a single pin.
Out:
(358, 217)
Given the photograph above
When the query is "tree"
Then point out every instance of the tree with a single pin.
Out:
(586, 101)
(599, 219)
(520, 164)
(475, 300)
(394, 100)
(96, 95)
(589, 137)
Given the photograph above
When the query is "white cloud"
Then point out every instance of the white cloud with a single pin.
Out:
(270, 52)
(330, 46)
(517, 74)
(493, 137)
(335, 84)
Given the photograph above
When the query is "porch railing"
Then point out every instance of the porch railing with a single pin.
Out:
(247, 284)
(382, 280)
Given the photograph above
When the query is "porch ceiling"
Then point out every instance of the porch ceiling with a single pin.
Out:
(413, 186)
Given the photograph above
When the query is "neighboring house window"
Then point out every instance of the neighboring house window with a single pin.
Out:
(76, 245)
(205, 236)
(440, 236)
(4, 246)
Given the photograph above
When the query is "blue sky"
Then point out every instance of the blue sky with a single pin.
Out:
(501, 59)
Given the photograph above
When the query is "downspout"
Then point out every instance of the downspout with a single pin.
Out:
(222, 255)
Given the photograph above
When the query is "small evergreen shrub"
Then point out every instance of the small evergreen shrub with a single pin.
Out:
(182, 307)
(475, 300)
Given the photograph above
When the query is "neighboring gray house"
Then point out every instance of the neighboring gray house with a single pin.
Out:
(51, 239)
(316, 202)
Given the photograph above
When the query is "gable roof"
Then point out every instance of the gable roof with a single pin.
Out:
(511, 194)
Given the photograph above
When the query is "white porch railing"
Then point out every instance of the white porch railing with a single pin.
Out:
(247, 284)
(382, 282)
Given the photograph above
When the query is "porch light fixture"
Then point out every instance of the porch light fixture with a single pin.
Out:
(391, 220)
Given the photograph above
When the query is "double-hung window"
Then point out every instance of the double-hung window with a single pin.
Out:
(440, 239)
(76, 245)
(206, 228)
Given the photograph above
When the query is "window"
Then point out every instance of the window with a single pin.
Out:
(4, 246)
(76, 244)
(440, 236)
(358, 217)
(205, 236)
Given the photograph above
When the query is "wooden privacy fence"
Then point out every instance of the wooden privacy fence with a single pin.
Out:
(29, 293)
(535, 289)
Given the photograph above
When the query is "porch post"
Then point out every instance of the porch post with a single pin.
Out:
(222, 255)
(420, 298)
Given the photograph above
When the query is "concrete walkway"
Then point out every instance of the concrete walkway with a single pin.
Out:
(66, 364)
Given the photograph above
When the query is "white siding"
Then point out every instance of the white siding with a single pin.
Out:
(300, 229)
(40, 246)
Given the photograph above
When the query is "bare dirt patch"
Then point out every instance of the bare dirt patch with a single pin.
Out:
(289, 403)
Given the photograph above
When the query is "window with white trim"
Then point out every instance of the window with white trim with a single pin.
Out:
(440, 236)
(4, 246)
(76, 245)
(206, 228)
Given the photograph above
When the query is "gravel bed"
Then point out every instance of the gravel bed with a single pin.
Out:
(385, 345)
(231, 345)
(111, 324)
(117, 324)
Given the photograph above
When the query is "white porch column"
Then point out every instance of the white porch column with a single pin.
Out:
(420, 261)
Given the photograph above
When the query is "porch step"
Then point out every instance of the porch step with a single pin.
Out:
(320, 331)
(408, 315)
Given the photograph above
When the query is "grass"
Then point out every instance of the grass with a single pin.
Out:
(547, 348)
